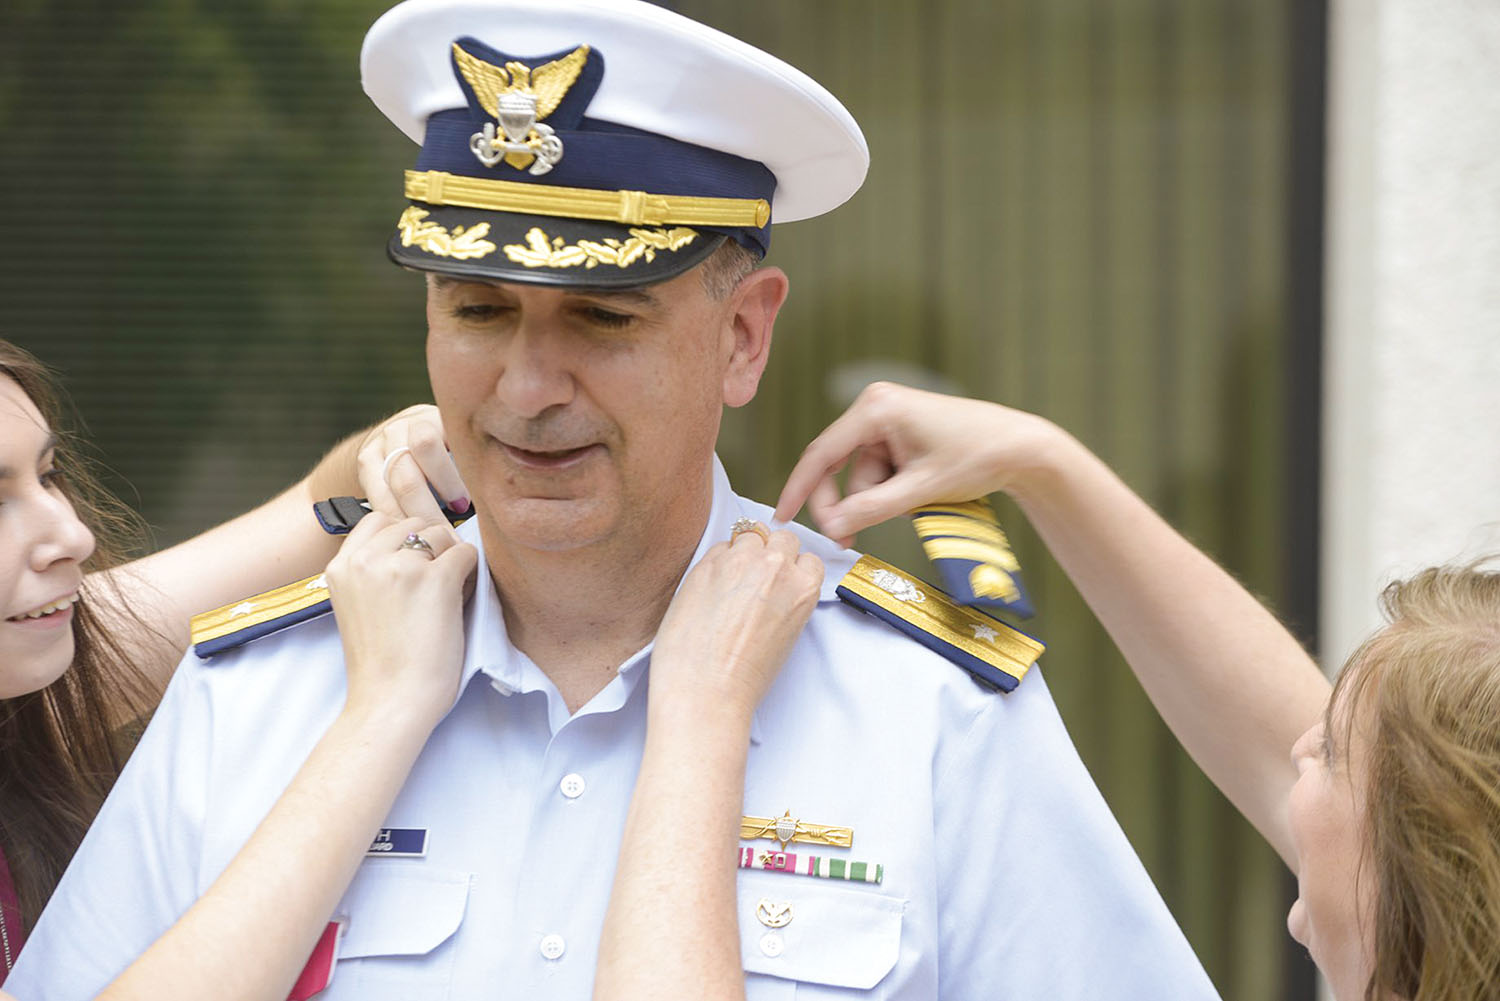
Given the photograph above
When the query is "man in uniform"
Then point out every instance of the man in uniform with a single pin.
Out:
(595, 184)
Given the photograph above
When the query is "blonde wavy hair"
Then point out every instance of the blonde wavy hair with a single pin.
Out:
(1426, 693)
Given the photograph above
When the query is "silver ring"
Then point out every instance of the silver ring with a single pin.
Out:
(385, 469)
(415, 541)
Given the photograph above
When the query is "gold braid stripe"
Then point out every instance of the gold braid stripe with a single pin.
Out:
(946, 548)
(929, 525)
(969, 509)
(631, 208)
(259, 608)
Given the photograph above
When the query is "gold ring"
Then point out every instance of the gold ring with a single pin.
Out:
(744, 525)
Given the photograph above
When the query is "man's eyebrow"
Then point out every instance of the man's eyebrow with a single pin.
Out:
(635, 296)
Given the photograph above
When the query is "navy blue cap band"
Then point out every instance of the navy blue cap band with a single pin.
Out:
(605, 156)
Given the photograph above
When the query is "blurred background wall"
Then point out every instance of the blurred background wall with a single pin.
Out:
(1106, 212)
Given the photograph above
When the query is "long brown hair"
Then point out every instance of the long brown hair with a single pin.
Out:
(59, 754)
(1426, 691)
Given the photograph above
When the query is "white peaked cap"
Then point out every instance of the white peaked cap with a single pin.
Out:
(664, 73)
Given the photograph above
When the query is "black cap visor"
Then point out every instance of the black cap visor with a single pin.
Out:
(545, 250)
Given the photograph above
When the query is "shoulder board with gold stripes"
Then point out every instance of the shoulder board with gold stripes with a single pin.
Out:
(260, 615)
(987, 648)
(967, 546)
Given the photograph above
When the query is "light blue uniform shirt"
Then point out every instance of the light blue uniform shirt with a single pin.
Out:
(1005, 876)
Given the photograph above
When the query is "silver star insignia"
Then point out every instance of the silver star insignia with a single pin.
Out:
(984, 633)
(243, 608)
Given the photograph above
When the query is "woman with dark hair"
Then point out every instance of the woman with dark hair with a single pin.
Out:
(89, 639)
(1387, 806)
(83, 653)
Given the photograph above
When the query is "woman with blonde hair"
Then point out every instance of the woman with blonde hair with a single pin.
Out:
(1387, 806)
(1424, 720)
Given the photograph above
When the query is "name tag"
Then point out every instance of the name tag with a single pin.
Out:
(399, 842)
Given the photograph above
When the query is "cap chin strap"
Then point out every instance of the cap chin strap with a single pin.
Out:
(630, 208)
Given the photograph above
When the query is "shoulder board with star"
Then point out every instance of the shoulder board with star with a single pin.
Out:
(993, 652)
(260, 615)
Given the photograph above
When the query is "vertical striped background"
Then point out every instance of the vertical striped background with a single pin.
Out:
(1081, 209)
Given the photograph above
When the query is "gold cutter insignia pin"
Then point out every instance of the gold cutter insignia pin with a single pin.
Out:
(773, 914)
(788, 829)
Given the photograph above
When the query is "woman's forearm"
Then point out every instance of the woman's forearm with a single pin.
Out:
(275, 543)
(286, 881)
(676, 866)
(1232, 683)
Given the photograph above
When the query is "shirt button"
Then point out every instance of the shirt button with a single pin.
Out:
(772, 944)
(553, 947)
(572, 785)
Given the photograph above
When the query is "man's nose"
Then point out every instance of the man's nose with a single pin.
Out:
(538, 370)
(59, 534)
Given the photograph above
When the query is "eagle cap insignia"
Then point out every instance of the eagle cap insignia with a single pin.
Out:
(517, 97)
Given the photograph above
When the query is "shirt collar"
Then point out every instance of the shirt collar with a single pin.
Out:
(487, 647)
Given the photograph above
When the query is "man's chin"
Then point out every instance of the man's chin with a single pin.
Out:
(554, 524)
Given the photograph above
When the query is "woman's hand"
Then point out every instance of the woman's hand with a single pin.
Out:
(400, 613)
(399, 457)
(911, 447)
(732, 623)
(723, 640)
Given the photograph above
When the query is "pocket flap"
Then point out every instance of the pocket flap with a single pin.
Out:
(806, 929)
(402, 913)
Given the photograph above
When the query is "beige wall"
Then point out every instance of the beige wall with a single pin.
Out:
(1413, 360)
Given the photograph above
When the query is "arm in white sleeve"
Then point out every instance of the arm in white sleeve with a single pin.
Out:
(1068, 912)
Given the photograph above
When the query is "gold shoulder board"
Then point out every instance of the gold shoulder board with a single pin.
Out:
(987, 648)
(260, 615)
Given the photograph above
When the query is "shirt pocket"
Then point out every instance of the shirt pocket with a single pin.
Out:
(398, 942)
(808, 938)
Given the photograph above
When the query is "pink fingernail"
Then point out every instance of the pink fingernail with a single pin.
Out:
(459, 505)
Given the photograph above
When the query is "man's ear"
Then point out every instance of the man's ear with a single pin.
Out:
(753, 306)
